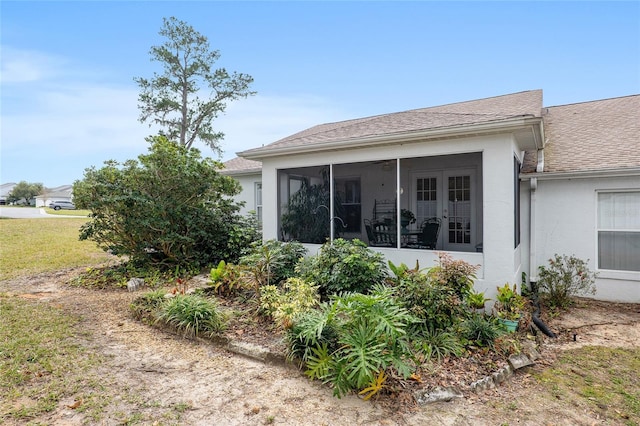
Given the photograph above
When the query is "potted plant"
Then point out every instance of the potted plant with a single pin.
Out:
(509, 306)
(406, 217)
(476, 301)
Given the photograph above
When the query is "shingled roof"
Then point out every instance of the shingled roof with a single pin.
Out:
(590, 136)
(241, 165)
(495, 109)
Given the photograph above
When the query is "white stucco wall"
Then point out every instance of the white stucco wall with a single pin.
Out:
(565, 223)
(248, 194)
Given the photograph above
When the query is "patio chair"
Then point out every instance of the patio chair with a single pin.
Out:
(428, 238)
(379, 234)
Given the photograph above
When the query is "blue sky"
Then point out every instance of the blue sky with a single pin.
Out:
(68, 99)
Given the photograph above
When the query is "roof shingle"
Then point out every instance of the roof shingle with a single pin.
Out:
(591, 136)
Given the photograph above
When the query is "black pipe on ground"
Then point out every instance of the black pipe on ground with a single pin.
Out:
(536, 312)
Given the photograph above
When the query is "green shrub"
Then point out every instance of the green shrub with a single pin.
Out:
(457, 275)
(192, 315)
(272, 261)
(565, 277)
(351, 341)
(436, 344)
(284, 304)
(481, 330)
(344, 266)
(170, 207)
(435, 302)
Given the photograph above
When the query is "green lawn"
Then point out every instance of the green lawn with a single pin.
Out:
(31, 246)
(83, 213)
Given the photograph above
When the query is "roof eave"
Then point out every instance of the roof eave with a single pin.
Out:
(403, 137)
(583, 174)
(242, 172)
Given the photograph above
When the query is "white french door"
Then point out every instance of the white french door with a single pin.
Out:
(450, 196)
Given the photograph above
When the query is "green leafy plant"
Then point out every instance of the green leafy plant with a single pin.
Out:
(455, 274)
(192, 315)
(565, 277)
(368, 334)
(436, 302)
(344, 266)
(307, 217)
(226, 279)
(294, 298)
(509, 303)
(273, 261)
(477, 300)
(436, 344)
(481, 330)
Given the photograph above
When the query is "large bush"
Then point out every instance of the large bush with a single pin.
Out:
(170, 207)
(344, 266)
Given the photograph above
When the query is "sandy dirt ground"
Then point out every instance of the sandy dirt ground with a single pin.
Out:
(159, 378)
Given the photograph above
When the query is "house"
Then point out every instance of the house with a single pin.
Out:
(249, 174)
(60, 193)
(5, 190)
(507, 182)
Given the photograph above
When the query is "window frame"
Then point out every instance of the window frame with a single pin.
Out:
(258, 200)
(624, 274)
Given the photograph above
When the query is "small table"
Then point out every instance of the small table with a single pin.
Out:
(409, 236)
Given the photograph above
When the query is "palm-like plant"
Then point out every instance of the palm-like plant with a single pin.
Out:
(353, 338)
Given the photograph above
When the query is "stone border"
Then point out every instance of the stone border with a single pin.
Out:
(443, 394)
(422, 397)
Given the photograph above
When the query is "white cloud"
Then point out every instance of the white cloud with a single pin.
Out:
(66, 120)
(23, 66)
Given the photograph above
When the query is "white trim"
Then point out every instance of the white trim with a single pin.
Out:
(612, 273)
(582, 174)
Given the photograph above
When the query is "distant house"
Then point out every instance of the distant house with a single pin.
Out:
(509, 181)
(60, 193)
(5, 190)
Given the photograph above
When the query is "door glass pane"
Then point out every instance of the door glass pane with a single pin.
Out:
(426, 198)
(459, 209)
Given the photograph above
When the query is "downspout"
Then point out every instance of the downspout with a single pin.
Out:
(533, 269)
(533, 186)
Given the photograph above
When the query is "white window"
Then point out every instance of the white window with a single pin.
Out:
(259, 201)
(619, 231)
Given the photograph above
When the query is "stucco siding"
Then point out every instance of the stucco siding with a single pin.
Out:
(565, 223)
(248, 193)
